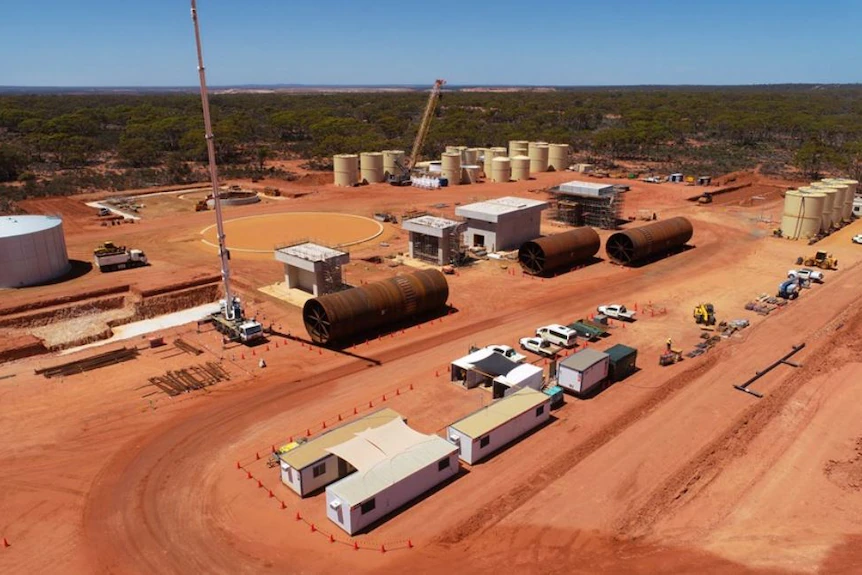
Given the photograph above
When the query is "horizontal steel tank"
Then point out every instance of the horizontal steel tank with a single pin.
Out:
(346, 168)
(657, 238)
(544, 255)
(347, 315)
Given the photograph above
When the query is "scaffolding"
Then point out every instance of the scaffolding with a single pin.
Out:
(311, 250)
(603, 212)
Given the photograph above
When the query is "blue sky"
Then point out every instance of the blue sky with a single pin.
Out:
(553, 42)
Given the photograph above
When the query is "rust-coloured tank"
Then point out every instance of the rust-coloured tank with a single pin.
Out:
(546, 254)
(631, 246)
(341, 316)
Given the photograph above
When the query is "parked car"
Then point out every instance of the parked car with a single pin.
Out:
(508, 352)
(558, 334)
(806, 274)
(857, 239)
(617, 311)
(539, 346)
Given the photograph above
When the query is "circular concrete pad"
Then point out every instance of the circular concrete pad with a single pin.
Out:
(261, 234)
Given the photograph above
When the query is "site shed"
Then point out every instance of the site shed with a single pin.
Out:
(310, 466)
(583, 371)
(498, 424)
(480, 367)
(621, 361)
(395, 465)
(525, 375)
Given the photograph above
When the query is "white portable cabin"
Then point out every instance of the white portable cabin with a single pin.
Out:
(525, 375)
(310, 466)
(582, 371)
(395, 465)
(498, 424)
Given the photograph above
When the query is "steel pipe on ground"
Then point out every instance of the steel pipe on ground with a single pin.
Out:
(546, 254)
(657, 238)
(342, 316)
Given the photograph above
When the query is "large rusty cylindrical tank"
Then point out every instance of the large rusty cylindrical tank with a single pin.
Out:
(341, 316)
(546, 254)
(631, 246)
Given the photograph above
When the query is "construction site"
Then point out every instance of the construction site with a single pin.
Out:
(482, 362)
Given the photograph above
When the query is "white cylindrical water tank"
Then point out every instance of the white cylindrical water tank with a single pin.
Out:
(826, 208)
(558, 157)
(451, 167)
(490, 154)
(518, 148)
(850, 193)
(803, 214)
(32, 250)
(538, 152)
(391, 160)
(371, 167)
(346, 167)
(520, 168)
(501, 169)
(837, 204)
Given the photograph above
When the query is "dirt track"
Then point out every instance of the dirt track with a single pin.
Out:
(670, 470)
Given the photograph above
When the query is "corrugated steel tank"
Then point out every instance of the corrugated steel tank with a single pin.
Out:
(546, 254)
(343, 316)
(451, 167)
(371, 166)
(520, 168)
(346, 167)
(631, 246)
(558, 157)
(32, 250)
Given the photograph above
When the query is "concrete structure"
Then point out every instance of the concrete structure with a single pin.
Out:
(558, 157)
(346, 168)
(480, 367)
(32, 250)
(311, 466)
(502, 223)
(496, 425)
(582, 372)
(520, 168)
(803, 214)
(391, 160)
(577, 188)
(371, 167)
(312, 268)
(538, 152)
(395, 465)
(501, 169)
(525, 375)
(433, 239)
(451, 167)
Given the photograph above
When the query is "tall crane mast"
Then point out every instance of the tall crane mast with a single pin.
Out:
(224, 255)
(425, 125)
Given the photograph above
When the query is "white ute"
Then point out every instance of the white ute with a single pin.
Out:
(508, 352)
(539, 346)
(857, 239)
(617, 311)
(806, 274)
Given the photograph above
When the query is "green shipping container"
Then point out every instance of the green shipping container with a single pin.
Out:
(622, 361)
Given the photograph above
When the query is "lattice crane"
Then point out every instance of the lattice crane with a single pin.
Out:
(425, 125)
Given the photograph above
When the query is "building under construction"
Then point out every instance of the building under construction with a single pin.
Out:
(312, 268)
(587, 204)
(435, 240)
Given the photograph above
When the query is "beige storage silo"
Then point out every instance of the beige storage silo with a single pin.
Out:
(828, 204)
(490, 154)
(371, 167)
(391, 160)
(558, 157)
(518, 148)
(838, 202)
(501, 169)
(484, 154)
(451, 167)
(803, 214)
(346, 168)
(520, 168)
(849, 193)
(471, 156)
(471, 174)
(453, 150)
(538, 152)
(463, 151)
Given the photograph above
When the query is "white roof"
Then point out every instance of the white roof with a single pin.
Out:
(522, 373)
(311, 252)
(491, 210)
(11, 226)
(383, 457)
(432, 222)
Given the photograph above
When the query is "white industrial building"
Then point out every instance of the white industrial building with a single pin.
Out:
(502, 223)
(312, 268)
(576, 188)
(583, 371)
(395, 465)
(498, 424)
(480, 367)
(525, 375)
(310, 466)
(32, 250)
(433, 239)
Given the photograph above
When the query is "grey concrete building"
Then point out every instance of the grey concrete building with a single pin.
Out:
(312, 268)
(502, 223)
(433, 239)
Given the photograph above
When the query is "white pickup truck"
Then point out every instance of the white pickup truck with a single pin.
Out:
(539, 346)
(617, 311)
(806, 274)
(508, 352)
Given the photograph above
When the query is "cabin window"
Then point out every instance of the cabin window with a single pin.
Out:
(485, 441)
(318, 470)
(540, 410)
(442, 464)
(368, 506)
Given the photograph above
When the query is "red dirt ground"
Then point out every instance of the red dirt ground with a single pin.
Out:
(671, 470)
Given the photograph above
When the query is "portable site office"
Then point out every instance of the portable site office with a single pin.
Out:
(621, 361)
(499, 423)
(310, 466)
(583, 371)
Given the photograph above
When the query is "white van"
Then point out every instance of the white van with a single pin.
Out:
(558, 334)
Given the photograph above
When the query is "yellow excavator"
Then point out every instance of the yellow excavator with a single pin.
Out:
(821, 260)
(704, 313)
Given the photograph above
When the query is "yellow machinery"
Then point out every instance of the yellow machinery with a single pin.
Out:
(108, 248)
(670, 357)
(403, 179)
(821, 260)
(704, 313)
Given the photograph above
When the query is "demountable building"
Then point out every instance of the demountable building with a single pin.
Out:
(499, 423)
(310, 466)
(525, 375)
(583, 371)
(621, 361)
(395, 464)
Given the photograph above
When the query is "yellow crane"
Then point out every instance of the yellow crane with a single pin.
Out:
(403, 179)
